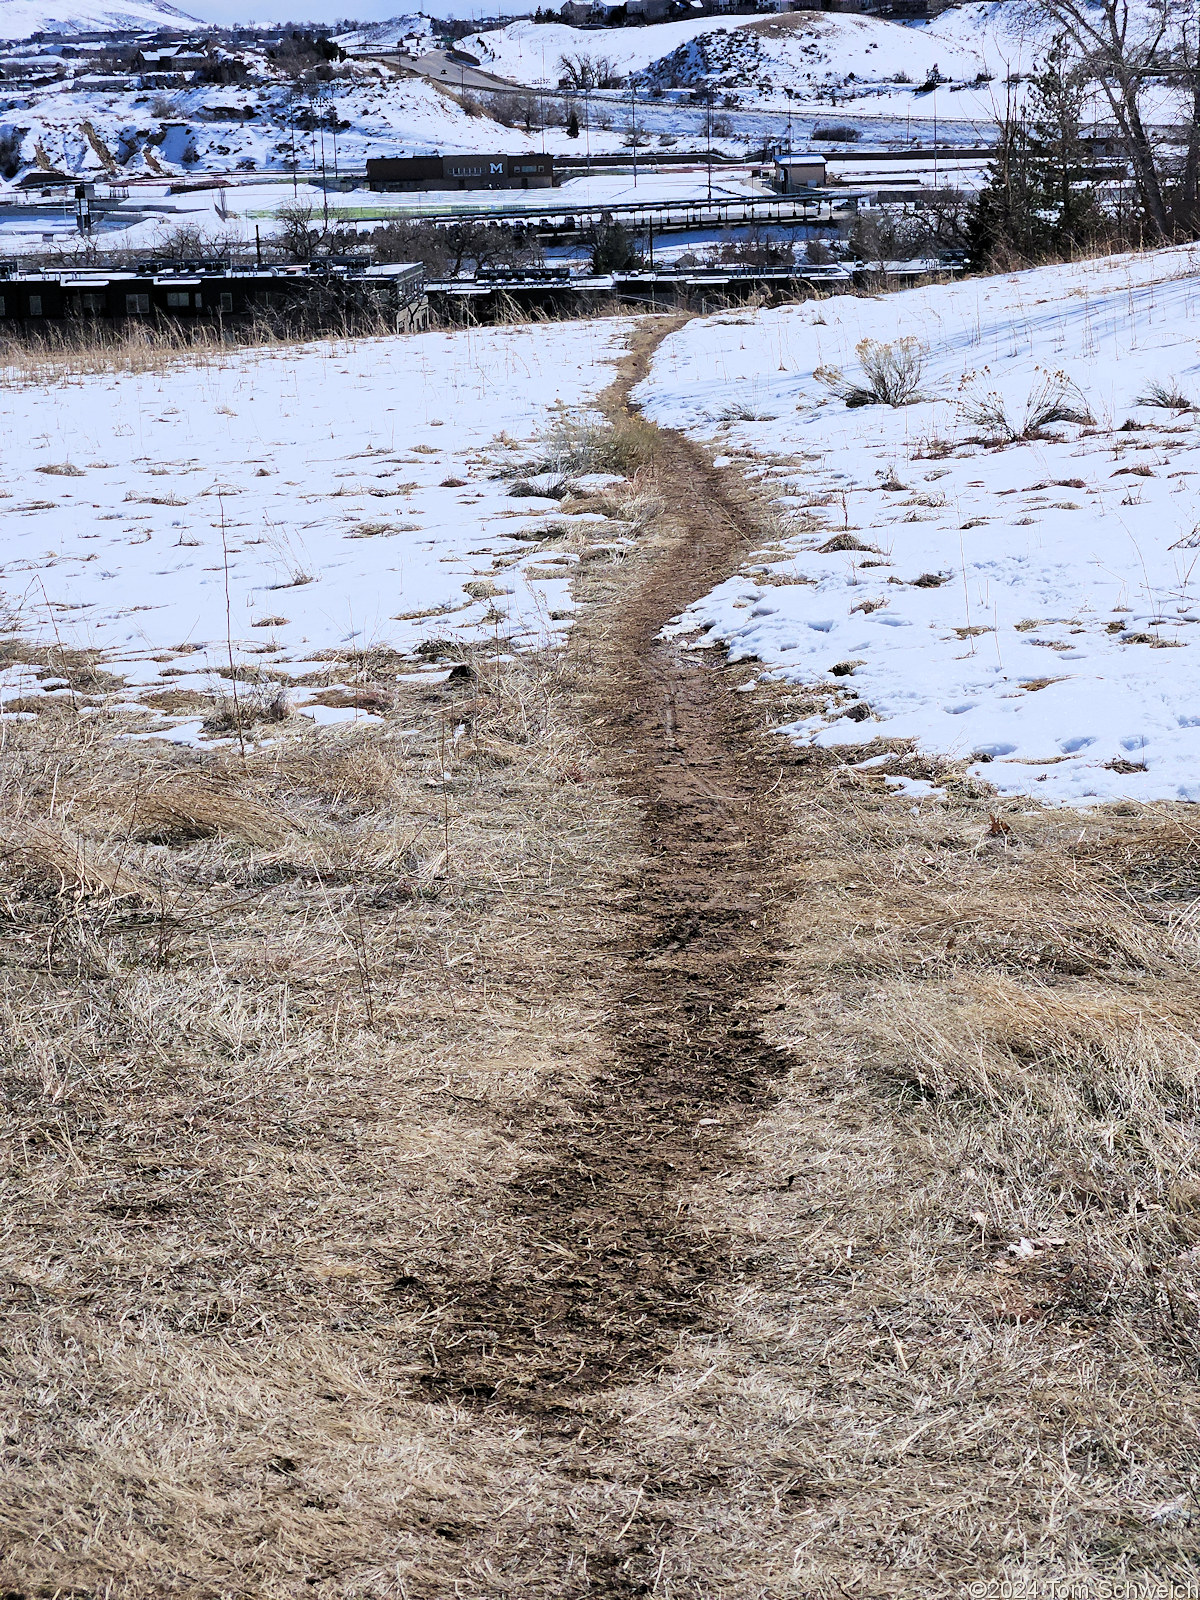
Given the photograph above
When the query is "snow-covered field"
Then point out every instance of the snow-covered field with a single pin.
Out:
(20, 18)
(152, 215)
(760, 58)
(1033, 604)
(347, 492)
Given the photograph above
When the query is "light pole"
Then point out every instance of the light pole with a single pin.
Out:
(935, 138)
(324, 186)
(709, 121)
(633, 125)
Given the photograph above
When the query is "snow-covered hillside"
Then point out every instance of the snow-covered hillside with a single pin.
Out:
(530, 52)
(991, 586)
(352, 492)
(749, 54)
(21, 18)
(397, 33)
(205, 127)
(808, 49)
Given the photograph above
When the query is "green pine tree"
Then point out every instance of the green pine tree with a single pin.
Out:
(1066, 201)
(1037, 203)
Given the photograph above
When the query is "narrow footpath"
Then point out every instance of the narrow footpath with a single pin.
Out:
(609, 1268)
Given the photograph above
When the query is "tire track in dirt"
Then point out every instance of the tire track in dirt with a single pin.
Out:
(608, 1270)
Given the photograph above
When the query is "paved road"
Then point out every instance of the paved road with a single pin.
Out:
(441, 67)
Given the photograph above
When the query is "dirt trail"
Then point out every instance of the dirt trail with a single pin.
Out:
(608, 1268)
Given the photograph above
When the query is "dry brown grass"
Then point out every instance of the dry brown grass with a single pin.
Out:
(63, 355)
(242, 1110)
(250, 1113)
(969, 1228)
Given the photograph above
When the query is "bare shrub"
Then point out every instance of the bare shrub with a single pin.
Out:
(1054, 398)
(294, 234)
(1166, 394)
(583, 71)
(891, 374)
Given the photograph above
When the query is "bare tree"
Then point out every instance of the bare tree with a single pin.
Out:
(582, 71)
(294, 233)
(1121, 44)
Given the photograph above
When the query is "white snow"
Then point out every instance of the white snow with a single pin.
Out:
(1056, 637)
(529, 52)
(21, 18)
(352, 491)
(806, 50)
(152, 214)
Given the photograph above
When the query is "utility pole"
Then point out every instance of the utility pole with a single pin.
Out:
(709, 121)
(935, 138)
(324, 186)
(633, 125)
(292, 129)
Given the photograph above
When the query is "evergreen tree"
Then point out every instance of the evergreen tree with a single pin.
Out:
(1066, 201)
(1036, 203)
(573, 124)
(1003, 221)
(614, 249)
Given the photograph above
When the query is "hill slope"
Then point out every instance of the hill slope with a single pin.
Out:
(21, 18)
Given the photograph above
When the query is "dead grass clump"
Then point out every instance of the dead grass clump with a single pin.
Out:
(180, 810)
(256, 705)
(1054, 398)
(1168, 394)
(637, 504)
(845, 541)
(576, 446)
(47, 857)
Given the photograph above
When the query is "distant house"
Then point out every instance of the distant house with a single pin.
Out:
(648, 10)
(182, 58)
(460, 172)
(578, 12)
(793, 173)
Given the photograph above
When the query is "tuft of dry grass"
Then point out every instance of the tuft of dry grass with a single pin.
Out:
(176, 811)
(43, 856)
